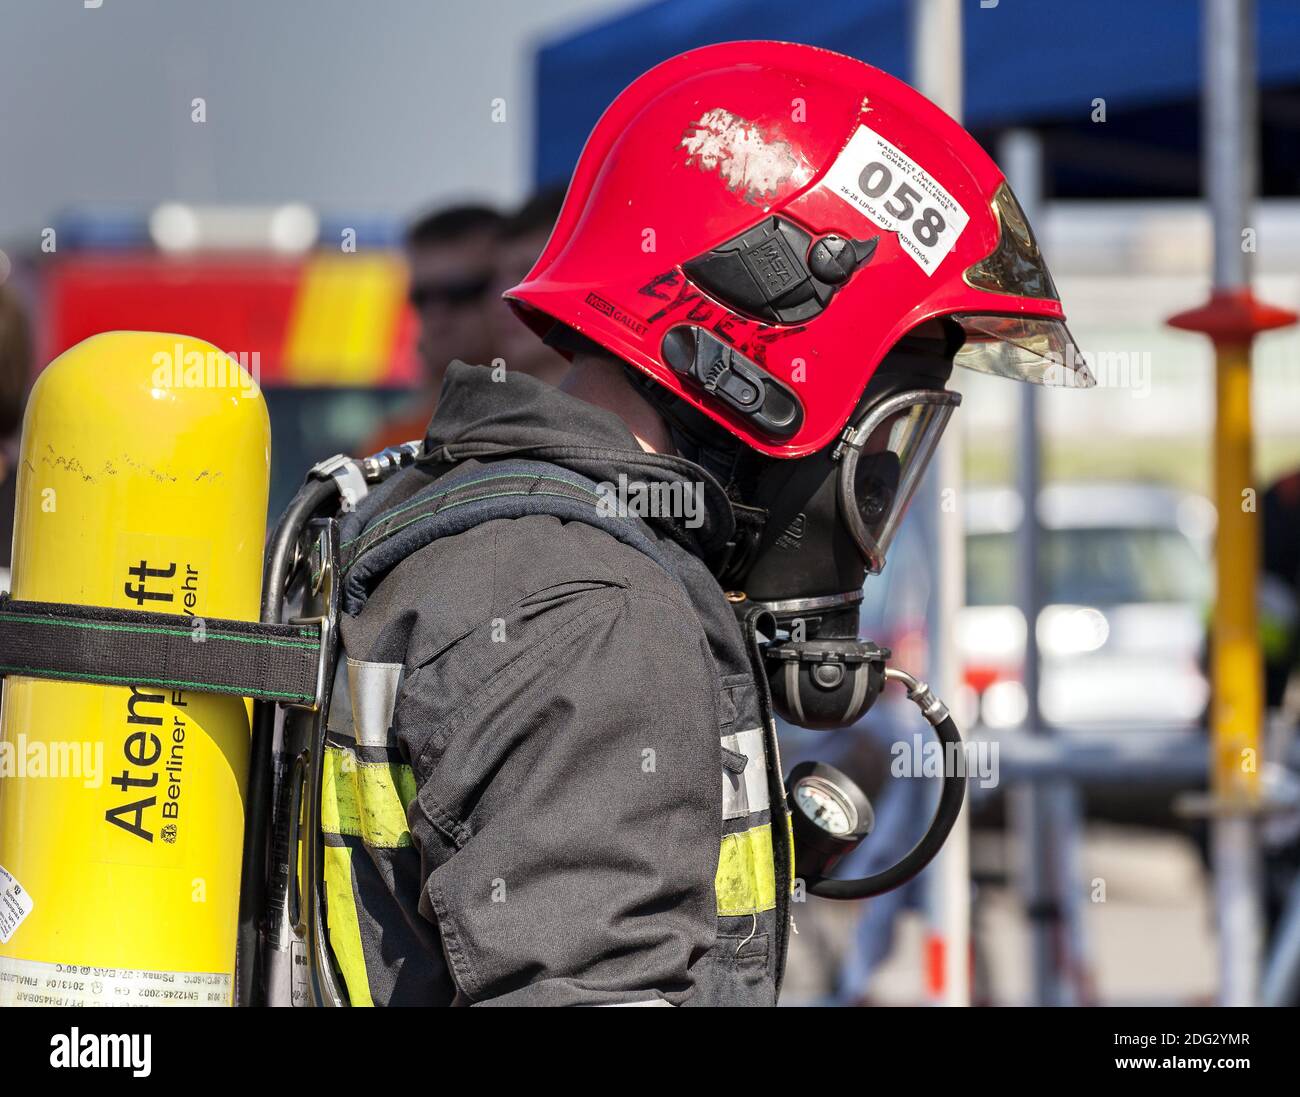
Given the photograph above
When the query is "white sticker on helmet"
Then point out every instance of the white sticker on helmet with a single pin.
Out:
(899, 195)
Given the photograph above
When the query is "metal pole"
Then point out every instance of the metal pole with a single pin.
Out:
(1282, 975)
(1021, 157)
(1233, 318)
(1051, 835)
(937, 68)
(936, 53)
(1229, 161)
(1237, 707)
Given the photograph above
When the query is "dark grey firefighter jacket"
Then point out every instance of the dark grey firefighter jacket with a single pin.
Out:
(552, 777)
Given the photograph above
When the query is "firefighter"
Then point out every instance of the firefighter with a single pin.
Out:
(554, 776)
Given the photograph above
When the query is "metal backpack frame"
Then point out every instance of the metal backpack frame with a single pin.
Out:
(281, 900)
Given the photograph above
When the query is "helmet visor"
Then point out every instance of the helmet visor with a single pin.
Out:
(882, 463)
(1026, 348)
(1015, 265)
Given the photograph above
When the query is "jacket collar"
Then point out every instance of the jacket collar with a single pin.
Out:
(479, 417)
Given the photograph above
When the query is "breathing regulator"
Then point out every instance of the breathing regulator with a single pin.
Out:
(831, 681)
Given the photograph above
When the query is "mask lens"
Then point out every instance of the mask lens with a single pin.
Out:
(884, 463)
(877, 486)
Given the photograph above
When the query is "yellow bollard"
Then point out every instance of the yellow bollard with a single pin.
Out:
(1232, 318)
(1236, 663)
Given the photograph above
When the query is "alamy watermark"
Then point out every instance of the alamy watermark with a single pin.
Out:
(131, 1051)
(77, 759)
(179, 368)
(1110, 369)
(682, 499)
(922, 756)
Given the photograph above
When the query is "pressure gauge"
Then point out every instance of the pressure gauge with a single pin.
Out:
(831, 816)
(826, 806)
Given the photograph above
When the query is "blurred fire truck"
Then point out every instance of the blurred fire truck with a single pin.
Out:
(325, 328)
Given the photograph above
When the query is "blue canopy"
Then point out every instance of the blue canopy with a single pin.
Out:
(1027, 61)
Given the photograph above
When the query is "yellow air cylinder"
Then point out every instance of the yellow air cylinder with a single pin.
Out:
(142, 485)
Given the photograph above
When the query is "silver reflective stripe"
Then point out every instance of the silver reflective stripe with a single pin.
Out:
(373, 689)
(745, 793)
(339, 719)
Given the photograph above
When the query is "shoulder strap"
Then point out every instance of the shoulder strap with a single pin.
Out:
(467, 497)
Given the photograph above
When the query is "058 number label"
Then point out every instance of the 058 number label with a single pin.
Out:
(875, 180)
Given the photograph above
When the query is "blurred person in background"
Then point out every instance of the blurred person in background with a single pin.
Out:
(1278, 611)
(452, 254)
(1280, 588)
(1279, 633)
(15, 371)
(523, 236)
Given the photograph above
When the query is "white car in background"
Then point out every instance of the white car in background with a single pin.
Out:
(1126, 583)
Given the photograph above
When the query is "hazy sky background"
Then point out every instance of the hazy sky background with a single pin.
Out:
(374, 107)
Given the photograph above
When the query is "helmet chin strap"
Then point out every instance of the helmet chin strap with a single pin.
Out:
(699, 440)
(695, 435)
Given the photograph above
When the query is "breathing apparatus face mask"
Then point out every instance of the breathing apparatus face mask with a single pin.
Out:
(830, 520)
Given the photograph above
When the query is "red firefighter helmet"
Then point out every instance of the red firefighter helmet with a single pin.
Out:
(755, 224)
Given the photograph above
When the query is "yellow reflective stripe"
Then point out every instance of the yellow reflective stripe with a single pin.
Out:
(367, 800)
(341, 920)
(789, 829)
(746, 880)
